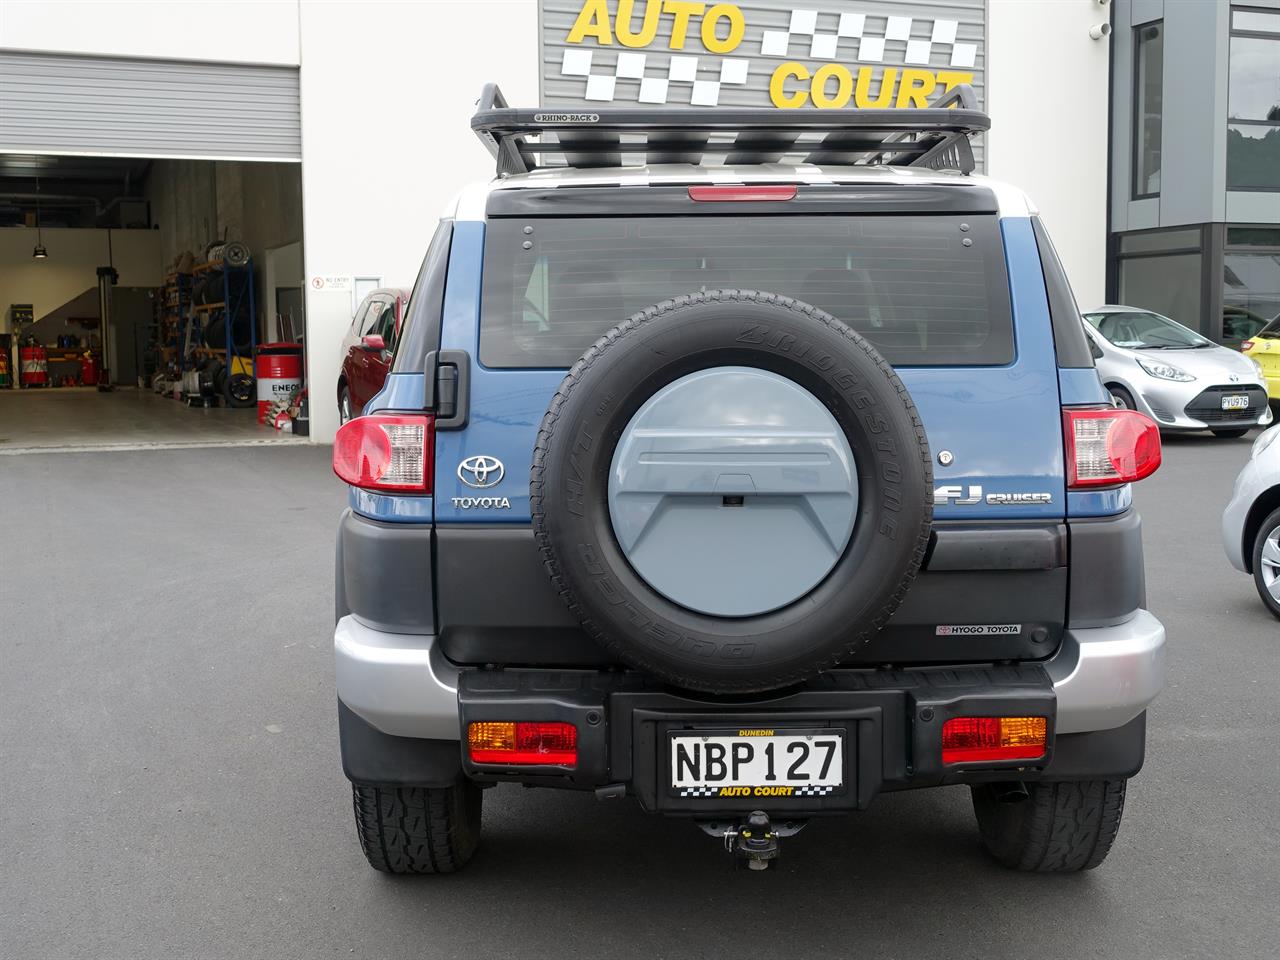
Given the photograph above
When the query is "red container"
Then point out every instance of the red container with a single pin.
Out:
(33, 366)
(278, 370)
(89, 371)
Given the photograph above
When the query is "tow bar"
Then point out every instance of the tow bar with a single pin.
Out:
(753, 841)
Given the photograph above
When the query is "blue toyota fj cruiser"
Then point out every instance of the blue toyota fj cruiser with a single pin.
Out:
(748, 463)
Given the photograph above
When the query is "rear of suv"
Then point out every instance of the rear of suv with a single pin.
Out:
(750, 481)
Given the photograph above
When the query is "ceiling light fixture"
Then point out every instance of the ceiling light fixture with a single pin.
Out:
(39, 253)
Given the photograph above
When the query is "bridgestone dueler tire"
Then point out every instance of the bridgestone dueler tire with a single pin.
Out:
(418, 829)
(570, 479)
(1060, 828)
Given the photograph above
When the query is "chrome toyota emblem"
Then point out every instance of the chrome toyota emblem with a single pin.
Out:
(1233, 377)
(481, 471)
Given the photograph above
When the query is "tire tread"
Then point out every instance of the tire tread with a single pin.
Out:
(1062, 827)
(417, 830)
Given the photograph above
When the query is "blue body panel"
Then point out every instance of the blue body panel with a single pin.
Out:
(1003, 425)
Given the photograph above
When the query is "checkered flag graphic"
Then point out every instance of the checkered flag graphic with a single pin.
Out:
(814, 791)
(602, 79)
(699, 791)
(852, 26)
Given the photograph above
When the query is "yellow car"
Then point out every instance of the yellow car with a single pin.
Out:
(1264, 349)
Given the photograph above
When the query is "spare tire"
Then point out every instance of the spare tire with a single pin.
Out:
(732, 490)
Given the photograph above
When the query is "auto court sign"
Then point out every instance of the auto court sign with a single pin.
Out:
(824, 54)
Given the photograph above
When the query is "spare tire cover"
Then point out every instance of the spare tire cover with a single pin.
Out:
(732, 490)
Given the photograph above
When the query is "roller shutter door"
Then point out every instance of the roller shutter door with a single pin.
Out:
(115, 106)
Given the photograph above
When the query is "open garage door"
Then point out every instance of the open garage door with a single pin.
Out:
(115, 106)
(150, 253)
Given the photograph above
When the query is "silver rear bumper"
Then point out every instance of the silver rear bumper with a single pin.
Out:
(399, 682)
(403, 685)
(1106, 676)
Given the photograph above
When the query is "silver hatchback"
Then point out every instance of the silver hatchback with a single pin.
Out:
(1180, 379)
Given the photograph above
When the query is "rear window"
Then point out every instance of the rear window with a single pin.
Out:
(925, 290)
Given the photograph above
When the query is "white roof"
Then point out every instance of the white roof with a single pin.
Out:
(471, 202)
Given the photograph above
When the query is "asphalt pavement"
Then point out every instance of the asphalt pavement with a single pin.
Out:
(171, 786)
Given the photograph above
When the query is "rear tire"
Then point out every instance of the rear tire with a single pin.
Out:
(1266, 575)
(344, 406)
(417, 830)
(1231, 434)
(1059, 828)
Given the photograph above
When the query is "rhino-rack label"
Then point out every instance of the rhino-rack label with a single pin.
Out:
(566, 118)
(978, 629)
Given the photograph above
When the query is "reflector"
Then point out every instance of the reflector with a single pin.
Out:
(973, 739)
(539, 743)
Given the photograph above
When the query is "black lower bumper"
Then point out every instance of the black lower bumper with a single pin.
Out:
(891, 722)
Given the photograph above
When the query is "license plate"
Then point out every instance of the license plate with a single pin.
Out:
(765, 762)
(1235, 402)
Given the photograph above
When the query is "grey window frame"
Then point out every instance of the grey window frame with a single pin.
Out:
(1274, 37)
(1136, 187)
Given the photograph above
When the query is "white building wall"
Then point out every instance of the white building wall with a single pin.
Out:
(388, 90)
(263, 31)
(1047, 97)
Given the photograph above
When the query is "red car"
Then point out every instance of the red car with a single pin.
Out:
(368, 348)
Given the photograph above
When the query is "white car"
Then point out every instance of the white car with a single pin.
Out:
(1251, 522)
(1181, 380)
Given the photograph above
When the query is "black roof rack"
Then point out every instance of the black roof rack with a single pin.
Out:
(936, 137)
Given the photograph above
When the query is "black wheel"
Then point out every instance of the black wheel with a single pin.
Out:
(685, 585)
(418, 829)
(1234, 434)
(1266, 562)
(344, 405)
(215, 332)
(240, 390)
(1058, 828)
(1123, 397)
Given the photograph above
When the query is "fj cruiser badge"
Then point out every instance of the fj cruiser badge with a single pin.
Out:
(968, 495)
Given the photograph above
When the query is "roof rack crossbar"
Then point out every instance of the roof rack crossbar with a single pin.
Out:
(936, 137)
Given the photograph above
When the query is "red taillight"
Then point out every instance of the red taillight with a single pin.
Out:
(726, 193)
(976, 739)
(1106, 447)
(385, 452)
(550, 744)
(1246, 346)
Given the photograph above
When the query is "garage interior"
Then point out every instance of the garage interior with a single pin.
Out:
(197, 264)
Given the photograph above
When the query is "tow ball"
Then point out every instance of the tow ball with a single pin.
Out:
(753, 841)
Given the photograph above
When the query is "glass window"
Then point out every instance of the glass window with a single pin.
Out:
(1165, 285)
(1251, 285)
(1141, 331)
(1253, 91)
(1258, 21)
(371, 316)
(906, 283)
(1164, 240)
(1253, 156)
(1253, 105)
(1253, 237)
(1270, 332)
(1147, 108)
